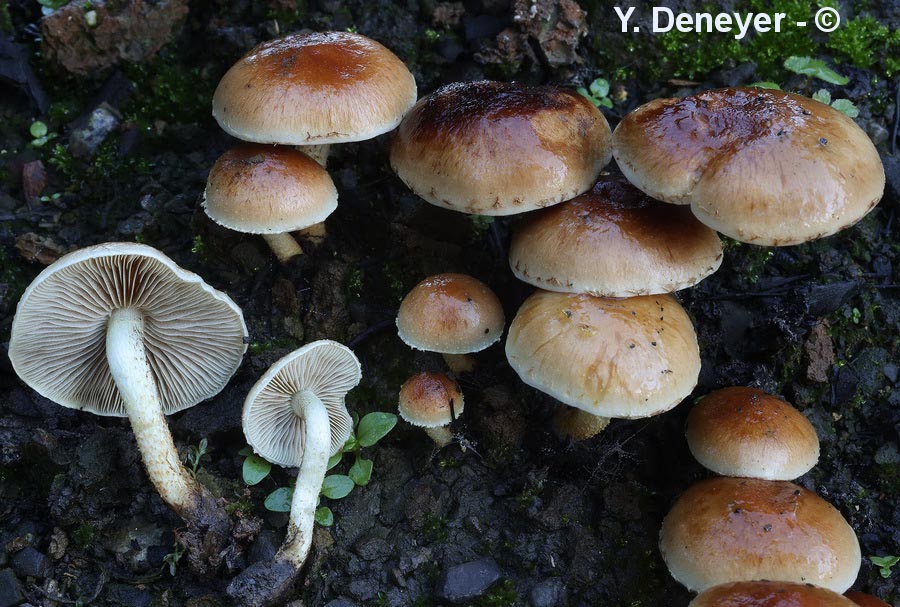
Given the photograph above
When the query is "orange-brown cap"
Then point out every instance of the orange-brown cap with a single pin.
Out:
(865, 600)
(614, 241)
(735, 529)
(498, 148)
(769, 594)
(317, 88)
(625, 358)
(761, 166)
(450, 314)
(430, 400)
(745, 432)
(265, 189)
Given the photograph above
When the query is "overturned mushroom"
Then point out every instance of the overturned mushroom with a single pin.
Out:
(295, 416)
(118, 329)
(431, 401)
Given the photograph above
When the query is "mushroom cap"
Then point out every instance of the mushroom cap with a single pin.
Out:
(264, 189)
(450, 314)
(623, 358)
(614, 241)
(500, 148)
(430, 400)
(769, 594)
(761, 166)
(194, 335)
(865, 600)
(745, 432)
(313, 89)
(327, 369)
(733, 529)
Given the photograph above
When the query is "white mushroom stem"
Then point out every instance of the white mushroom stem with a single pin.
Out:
(134, 378)
(577, 424)
(441, 436)
(460, 363)
(284, 246)
(319, 153)
(316, 448)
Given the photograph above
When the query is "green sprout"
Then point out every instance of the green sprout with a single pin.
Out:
(885, 564)
(816, 68)
(39, 134)
(173, 557)
(194, 456)
(370, 429)
(597, 93)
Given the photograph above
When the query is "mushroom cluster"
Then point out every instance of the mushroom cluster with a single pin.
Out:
(755, 524)
(306, 90)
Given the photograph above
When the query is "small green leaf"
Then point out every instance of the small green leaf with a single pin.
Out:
(815, 68)
(886, 563)
(361, 471)
(255, 469)
(822, 96)
(337, 486)
(324, 516)
(334, 460)
(846, 106)
(583, 92)
(279, 500)
(599, 88)
(38, 129)
(605, 102)
(248, 450)
(374, 426)
(350, 445)
(766, 84)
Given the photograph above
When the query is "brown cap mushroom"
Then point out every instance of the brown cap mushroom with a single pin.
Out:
(269, 190)
(769, 594)
(761, 166)
(315, 88)
(733, 529)
(295, 416)
(627, 358)
(614, 241)
(431, 401)
(746, 432)
(498, 148)
(450, 314)
(119, 329)
(865, 600)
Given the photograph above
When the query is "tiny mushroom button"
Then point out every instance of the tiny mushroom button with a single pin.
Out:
(119, 329)
(431, 401)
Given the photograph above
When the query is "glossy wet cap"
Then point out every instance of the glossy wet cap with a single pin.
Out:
(614, 241)
(769, 594)
(761, 166)
(264, 189)
(499, 148)
(430, 400)
(194, 335)
(327, 369)
(450, 314)
(315, 88)
(739, 529)
(865, 600)
(745, 432)
(625, 358)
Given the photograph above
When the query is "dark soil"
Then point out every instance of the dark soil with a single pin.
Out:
(565, 523)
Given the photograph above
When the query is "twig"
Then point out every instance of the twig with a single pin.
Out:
(370, 331)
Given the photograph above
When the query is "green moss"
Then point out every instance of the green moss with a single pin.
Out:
(170, 91)
(84, 535)
(866, 43)
(354, 284)
(501, 595)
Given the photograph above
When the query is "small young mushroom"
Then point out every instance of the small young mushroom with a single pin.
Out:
(769, 594)
(739, 529)
(269, 190)
(453, 314)
(295, 416)
(118, 329)
(741, 431)
(431, 401)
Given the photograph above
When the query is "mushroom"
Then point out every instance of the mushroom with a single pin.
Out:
(613, 241)
(453, 314)
(625, 358)
(769, 594)
(865, 600)
(761, 166)
(498, 148)
(271, 191)
(431, 401)
(295, 416)
(745, 432)
(119, 329)
(735, 529)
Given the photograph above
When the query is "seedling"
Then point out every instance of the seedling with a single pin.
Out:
(816, 68)
(173, 557)
(39, 134)
(885, 564)
(194, 456)
(597, 93)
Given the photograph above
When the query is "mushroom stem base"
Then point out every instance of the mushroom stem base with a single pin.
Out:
(284, 246)
(440, 435)
(460, 364)
(314, 234)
